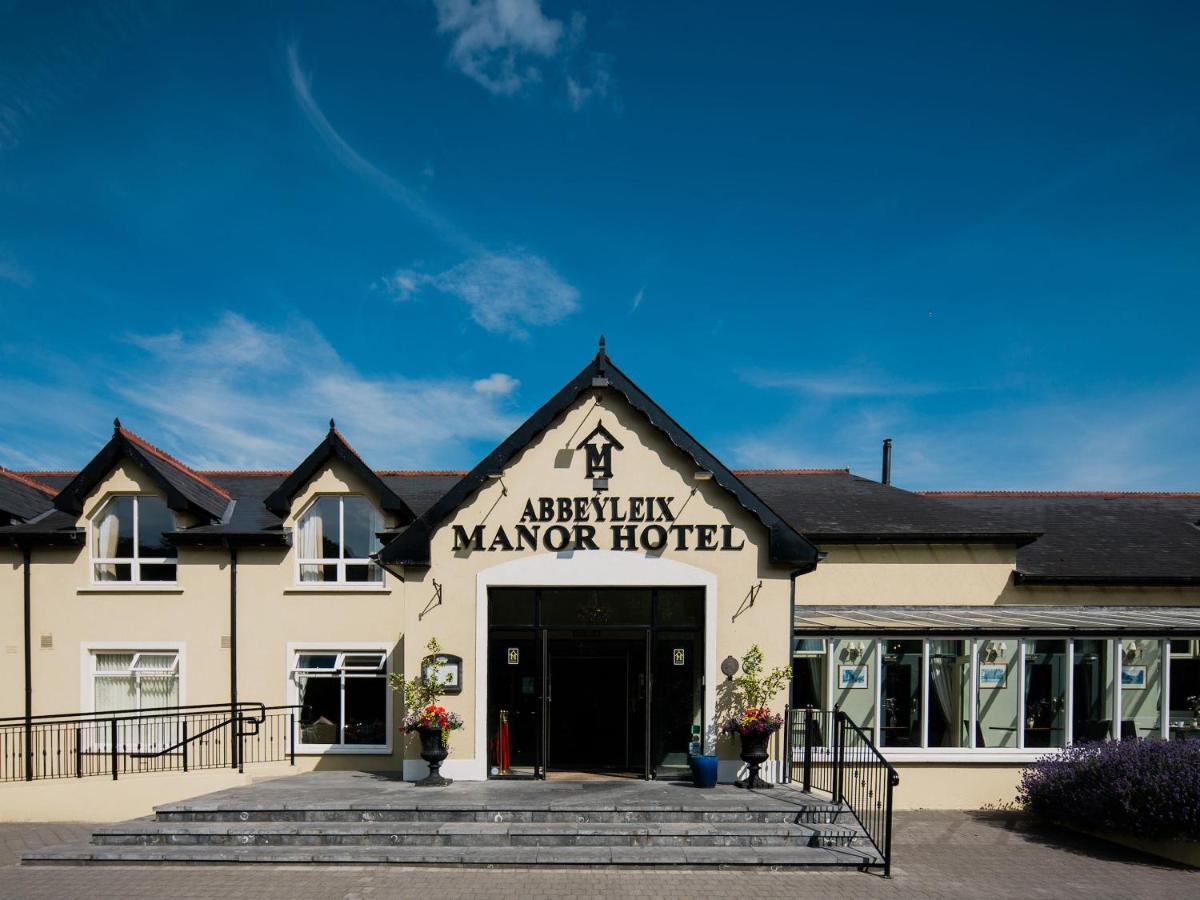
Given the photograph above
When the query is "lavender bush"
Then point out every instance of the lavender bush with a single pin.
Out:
(1147, 789)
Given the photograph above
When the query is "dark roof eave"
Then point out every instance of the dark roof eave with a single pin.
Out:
(19, 537)
(1034, 579)
(246, 539)
(1019, 539)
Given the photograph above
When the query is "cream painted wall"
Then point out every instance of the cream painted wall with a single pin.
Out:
(649, 465)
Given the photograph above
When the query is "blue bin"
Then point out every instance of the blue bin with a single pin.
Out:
(704, 770)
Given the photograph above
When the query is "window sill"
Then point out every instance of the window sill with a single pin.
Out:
(120, 588)
(332, 588)
(341, 750)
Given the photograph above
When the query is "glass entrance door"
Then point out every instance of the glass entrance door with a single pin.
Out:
(605, 680)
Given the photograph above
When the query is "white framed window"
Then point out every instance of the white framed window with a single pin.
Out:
(134, 680)
(335, 537)
(128, 543)
(344, 698)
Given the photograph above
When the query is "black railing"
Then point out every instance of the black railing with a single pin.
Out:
(826, 751)
(162, 739)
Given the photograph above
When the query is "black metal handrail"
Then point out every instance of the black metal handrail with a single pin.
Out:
(830, 753)
(159, 739)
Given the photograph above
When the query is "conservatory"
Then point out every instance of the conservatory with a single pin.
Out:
(1001, 683)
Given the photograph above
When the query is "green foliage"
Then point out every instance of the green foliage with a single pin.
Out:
(423, 689)
(756, 686)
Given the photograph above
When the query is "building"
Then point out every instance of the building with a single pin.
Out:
(590, 575)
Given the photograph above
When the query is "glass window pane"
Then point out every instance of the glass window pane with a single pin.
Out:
(316, 660)
(320, 709)
(157, 572)
(681, 606)
(1141, 688)
(154, 518)
(854, 673)
(363, 573)
(366, 710)
(363, 661)
(113, 571)
(317, 572)
(150, 662)
(949, 710)
(361, 523)
(998, 693)
(113, 693)
(1045, 693)
(112, 531)
(113, 662)
(159, 690)
(319, 529)
(589, 607)
(808, 681)
(1092, 716)
(510, 606)
(1184, 712)
(900, 722)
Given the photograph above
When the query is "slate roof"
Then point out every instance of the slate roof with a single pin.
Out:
(21, 497)
(1089, 538)
(837, 507)
(1098, 538)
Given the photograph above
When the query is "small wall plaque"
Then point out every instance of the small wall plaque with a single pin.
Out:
(514, 656)
(447, 669)
(679, 656)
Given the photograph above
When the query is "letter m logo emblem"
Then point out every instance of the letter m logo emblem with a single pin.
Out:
(598, 449)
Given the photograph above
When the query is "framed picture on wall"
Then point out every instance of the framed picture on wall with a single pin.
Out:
(853, 678)
(1133, 678)
(993, 676)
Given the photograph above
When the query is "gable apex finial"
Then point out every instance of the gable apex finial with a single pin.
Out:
(601, 351)
(116, 424)
(332, 425)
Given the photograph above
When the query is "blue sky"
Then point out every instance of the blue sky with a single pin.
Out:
(970, 227)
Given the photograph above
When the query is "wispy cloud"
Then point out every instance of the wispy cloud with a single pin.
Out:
(847, 383)
(358, 164)
(506, 293)
(1006, 439)
(637, 298)
(14, 273)
(506, 46)
(239, 394)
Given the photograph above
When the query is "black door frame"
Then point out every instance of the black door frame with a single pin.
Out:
(649, 631)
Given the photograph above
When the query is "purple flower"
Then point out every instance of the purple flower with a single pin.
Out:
(1143, 788)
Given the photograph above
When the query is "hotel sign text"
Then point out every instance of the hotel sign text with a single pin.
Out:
(597, 523)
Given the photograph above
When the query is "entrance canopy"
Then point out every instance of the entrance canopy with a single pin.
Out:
(1096, 621)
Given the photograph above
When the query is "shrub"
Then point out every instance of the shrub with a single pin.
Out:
(1147, 789)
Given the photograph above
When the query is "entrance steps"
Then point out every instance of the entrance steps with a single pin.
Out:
(647, 824)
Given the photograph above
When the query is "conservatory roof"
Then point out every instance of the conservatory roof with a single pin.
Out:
(1084, 621)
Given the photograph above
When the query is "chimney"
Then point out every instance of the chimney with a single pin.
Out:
(887, 461)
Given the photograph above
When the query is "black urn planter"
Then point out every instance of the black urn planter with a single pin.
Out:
(433, 751)
(754, 754)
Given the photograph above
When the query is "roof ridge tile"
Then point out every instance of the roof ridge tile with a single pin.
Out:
(171, 460)
(27, 481)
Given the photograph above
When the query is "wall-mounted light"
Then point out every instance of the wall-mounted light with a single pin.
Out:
(853, 650)
(702, 475)
(1133, 650)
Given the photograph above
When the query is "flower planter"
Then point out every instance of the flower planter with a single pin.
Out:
(433, 751)
(754, 754)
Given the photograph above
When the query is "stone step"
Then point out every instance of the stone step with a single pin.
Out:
(691, 857)
(476, 834)
(832, 814)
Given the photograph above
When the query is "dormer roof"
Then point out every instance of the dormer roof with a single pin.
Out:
(335, 446)
(186, 490)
